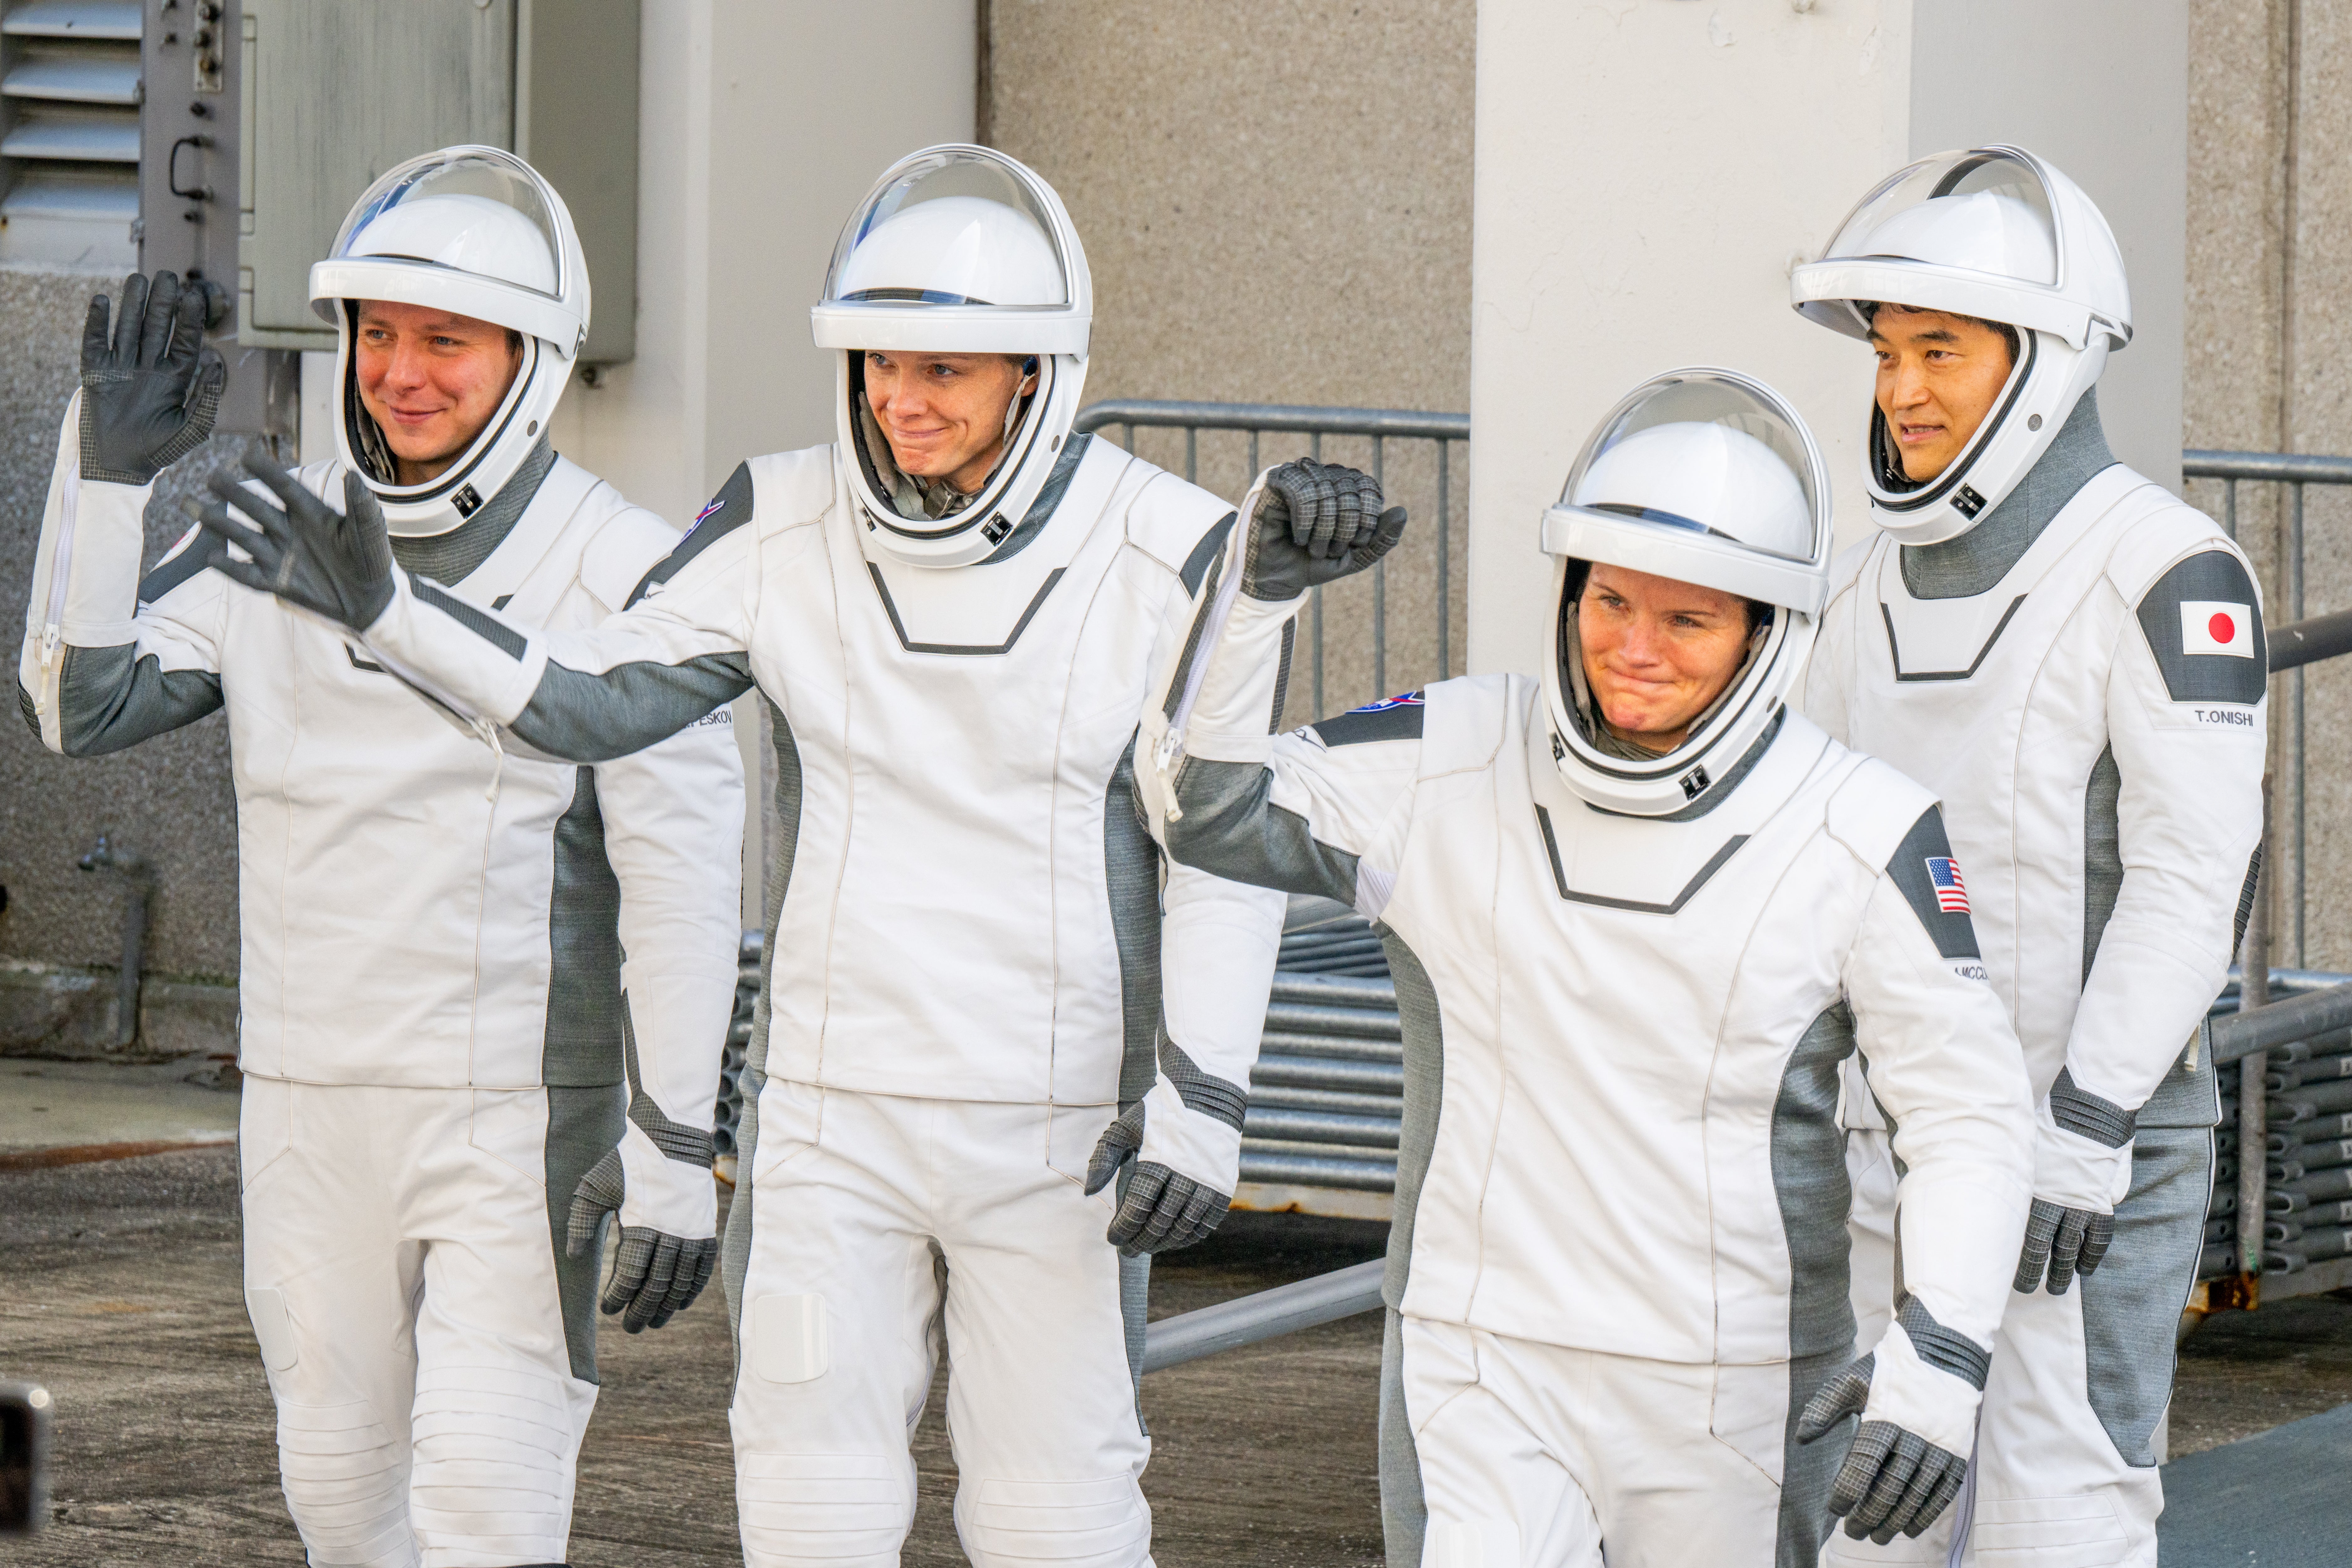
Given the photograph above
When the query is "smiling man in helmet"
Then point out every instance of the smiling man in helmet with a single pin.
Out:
(2073, 661)
(1640, 914)
(451, 958)
(986, 998)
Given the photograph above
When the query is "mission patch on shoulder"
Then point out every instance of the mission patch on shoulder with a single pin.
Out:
(2204, 624)
(1389, 719)
(729, 510)
(1930, 879)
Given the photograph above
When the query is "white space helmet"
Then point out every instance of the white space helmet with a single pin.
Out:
(958, 250)
(1995, 232)
(1707, 477)
(476, 231)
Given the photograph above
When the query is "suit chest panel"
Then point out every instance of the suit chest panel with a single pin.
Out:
(1650, 943)
(1962, 694)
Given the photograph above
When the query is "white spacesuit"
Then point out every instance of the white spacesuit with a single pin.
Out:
(975, 961)
(1617, 1275)
(2073, 661)
(451, 957)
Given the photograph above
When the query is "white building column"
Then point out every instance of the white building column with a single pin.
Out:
(760, 126)
(1647, 172)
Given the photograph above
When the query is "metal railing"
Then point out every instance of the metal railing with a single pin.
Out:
(1379, 426)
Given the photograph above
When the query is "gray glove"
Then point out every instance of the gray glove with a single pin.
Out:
(1315, 523)
(336, 564)
(1893, 1482)
(2064, 1241)
(149, 390)
(656, 1276)
(1160, 1210)
(2082, 1159)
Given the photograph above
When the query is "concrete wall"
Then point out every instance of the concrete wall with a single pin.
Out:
(169, 799)
(1275, 199)
(2270, 262)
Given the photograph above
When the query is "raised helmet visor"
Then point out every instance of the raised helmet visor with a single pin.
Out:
(958, 250)
(1991, 232)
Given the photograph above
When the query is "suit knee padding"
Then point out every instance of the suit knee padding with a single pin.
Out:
(346, 1484)
(1101, 1523)
(492, 1447)
(824, 1510)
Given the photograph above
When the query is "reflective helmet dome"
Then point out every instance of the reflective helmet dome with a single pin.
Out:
(1701, 476)
(1999, 235)
(957, 250)
(477, 232)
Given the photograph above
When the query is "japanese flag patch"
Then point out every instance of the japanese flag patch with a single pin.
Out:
(2217, 627)
(1943, 876)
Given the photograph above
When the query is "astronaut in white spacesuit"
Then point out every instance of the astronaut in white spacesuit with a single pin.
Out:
(2073, 661)
(984, 999)
(1640, 913)
(452, 959)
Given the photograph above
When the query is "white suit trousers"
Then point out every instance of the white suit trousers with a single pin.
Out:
(2052, 1489)
(400, 1274)
(876, 1224)
(1532, 1456)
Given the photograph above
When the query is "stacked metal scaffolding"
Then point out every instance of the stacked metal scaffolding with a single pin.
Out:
(1326, 1099)
(2307, 1144)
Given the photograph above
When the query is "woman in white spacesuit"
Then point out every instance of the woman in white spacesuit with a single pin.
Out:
(1640, 913)
(985, 997)
(454, 960)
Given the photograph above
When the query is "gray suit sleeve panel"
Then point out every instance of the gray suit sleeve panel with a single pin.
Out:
(594, 718)
(109, 699)
(1231, 828)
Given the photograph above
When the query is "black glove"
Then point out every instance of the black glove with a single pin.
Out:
(656, 1276)
(1315, 523)
(1161, 1210)
(337, 564)
(149, 393)
(1893, 1482)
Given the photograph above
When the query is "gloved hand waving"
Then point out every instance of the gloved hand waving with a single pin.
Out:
(150, 388)
(2082, 1169)
(334, 563)
(1918, 1395)
(1314, 524)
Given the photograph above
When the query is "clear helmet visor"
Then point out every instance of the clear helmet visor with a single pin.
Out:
(954, 226)
(1983, 211)
(475, 212)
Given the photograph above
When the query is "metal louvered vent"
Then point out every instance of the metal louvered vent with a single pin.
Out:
(69, 96)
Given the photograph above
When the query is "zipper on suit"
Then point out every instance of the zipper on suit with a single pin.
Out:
(1229, 584)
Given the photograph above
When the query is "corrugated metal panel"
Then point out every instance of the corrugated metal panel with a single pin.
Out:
(69, 100)
(113, 20)
(84, 140)
(75, 81)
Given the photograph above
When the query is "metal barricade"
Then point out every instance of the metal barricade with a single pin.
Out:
(1379, 428)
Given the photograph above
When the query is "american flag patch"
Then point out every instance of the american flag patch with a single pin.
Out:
(1951, 893)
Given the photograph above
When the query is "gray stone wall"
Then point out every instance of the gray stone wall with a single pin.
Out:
(1275, 198)
(2266, 369)
(169, 799)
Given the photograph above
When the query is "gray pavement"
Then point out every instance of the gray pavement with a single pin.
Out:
(49, 1105)
(123, 1298)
